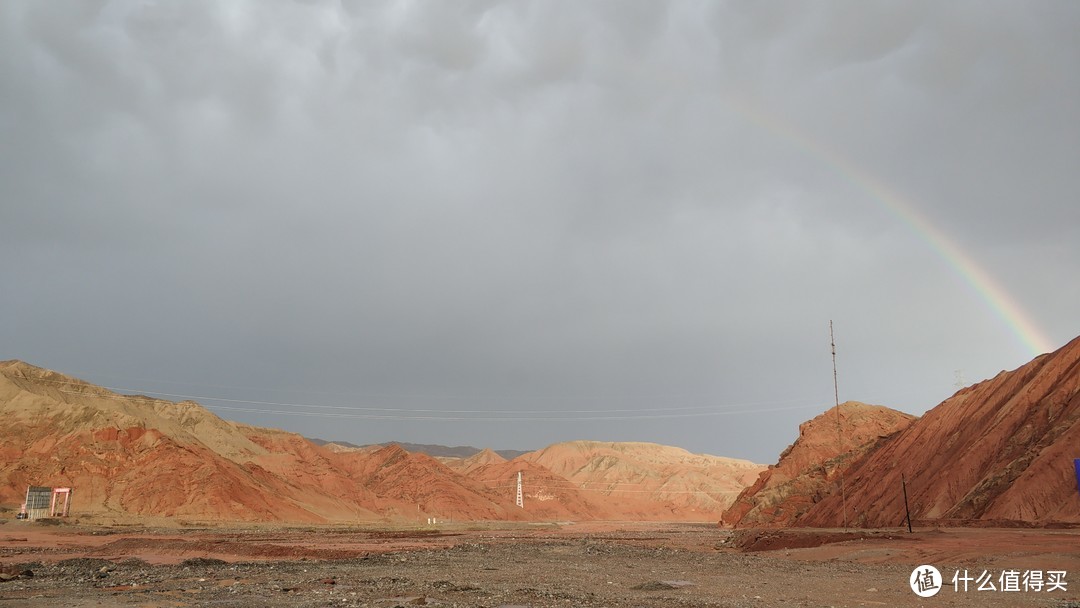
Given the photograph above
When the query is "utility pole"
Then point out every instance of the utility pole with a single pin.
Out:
(907, 511)
(839, 434)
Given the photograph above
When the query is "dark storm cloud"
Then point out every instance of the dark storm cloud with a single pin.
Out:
(533, 205)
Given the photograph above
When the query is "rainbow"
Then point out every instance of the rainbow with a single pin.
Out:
(981, 281)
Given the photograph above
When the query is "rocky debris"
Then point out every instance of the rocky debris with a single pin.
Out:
(202, 562)
(662, 585)
(771, 539)
(10, 573)
(618, 572)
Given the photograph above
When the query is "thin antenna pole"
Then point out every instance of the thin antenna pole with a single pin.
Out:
(907, 512)
(839, 434)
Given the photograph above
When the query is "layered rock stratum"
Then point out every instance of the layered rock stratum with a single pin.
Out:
(811, 467)
(641, 477)
(128, 455)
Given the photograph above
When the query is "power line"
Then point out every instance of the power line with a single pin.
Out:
(504, 418)
(426, 396)
(441, 411)
(507, 415)
(399, 413)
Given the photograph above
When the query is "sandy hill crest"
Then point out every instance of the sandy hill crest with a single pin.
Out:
(484, 457)
(29, 393)
(585, 460)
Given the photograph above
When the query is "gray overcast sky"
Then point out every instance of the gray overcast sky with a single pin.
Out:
(564, 208)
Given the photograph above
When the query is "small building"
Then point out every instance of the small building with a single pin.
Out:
(42, 501)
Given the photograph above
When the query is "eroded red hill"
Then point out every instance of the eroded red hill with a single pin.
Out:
(637, 480)
(809, 468)
(1000, 451)
(150, 457)
(133, 455)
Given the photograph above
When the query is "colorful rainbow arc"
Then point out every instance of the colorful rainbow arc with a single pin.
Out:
(988, 289)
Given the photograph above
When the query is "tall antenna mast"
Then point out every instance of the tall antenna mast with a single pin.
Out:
(839, 434)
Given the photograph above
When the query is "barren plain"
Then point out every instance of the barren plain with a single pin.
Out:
(520, 564)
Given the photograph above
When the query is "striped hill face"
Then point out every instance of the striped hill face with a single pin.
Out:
(811, 466)
(139, 457)
(129, 456)
(999, 452)
(637, 480)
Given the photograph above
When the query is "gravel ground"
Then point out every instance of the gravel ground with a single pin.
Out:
(495, 572)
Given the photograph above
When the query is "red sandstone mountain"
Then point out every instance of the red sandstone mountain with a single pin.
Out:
(133, 455)
(646, 480)
(1001, 450)
(547, 495)
(482, 458)
(420, 481)
(150, 457)
(809, 468)
(615, 480)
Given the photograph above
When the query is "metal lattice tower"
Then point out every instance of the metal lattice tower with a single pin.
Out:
(520, 497)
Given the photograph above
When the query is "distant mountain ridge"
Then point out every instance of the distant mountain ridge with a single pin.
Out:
(136, 457)
(433, 450)
(1001, 450)
(139, 456)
